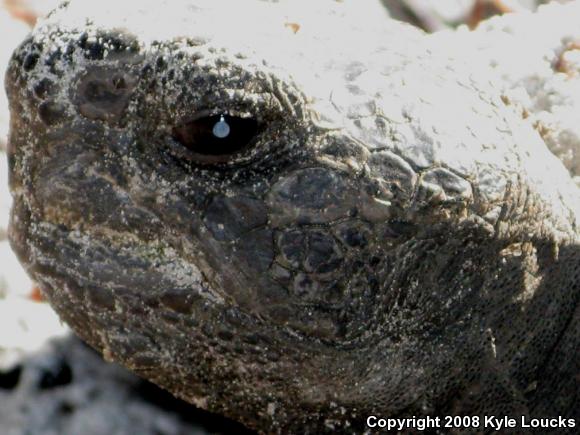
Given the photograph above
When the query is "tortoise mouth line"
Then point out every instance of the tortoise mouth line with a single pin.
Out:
(85, 255)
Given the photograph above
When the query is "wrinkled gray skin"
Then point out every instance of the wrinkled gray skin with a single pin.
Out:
(392, 239)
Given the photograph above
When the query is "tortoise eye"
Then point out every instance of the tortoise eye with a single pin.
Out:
(217, 138)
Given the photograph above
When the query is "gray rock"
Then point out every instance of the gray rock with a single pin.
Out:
(66, 388)
(380, 233)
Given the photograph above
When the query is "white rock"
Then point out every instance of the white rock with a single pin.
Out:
(25, 327)
(5, 198)
(13, 279)
(13, 32)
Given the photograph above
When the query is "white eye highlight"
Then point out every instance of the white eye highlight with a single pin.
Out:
(221, 129)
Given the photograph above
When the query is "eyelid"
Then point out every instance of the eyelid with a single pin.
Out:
(208, 113)
(200, 144)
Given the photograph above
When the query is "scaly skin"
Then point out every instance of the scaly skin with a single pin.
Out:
(385, 234)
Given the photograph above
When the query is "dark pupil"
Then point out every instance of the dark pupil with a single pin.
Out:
(198, 136)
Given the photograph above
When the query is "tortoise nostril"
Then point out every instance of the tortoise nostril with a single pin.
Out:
(119, 83)
(215, 139)
(100, 92)
(104, 93)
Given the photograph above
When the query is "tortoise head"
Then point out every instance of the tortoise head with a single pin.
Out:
(269, 223)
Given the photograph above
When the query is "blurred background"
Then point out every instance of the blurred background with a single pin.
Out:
(50, 383)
